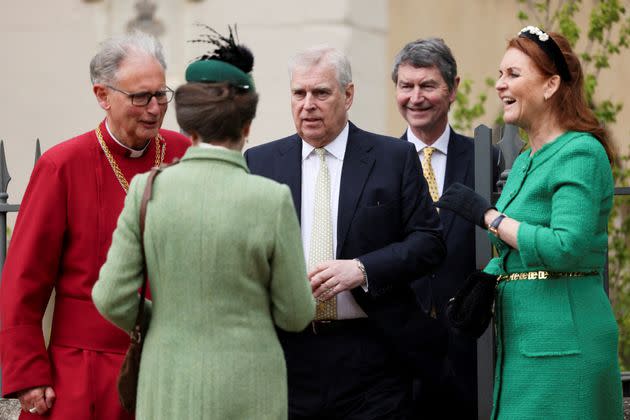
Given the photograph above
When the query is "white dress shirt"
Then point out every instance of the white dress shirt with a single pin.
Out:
(347, 306)
(438, 159)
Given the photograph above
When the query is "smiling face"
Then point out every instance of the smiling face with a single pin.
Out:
(319, 104)
(423, 99)
(134, 125)
(522, 89)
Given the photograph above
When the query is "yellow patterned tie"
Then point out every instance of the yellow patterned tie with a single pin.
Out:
(427, 170)
(321, 233)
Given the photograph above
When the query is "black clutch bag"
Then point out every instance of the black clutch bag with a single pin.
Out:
(471, 310)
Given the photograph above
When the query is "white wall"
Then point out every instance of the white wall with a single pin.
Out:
(46, 47)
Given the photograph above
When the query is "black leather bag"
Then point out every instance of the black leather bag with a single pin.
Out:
(471, 310)
(128, 377)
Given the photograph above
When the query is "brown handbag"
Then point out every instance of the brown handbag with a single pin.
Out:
(128, 376)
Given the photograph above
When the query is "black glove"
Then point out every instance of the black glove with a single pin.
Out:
(466, 203)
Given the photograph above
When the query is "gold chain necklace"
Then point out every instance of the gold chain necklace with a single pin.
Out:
(159, 158)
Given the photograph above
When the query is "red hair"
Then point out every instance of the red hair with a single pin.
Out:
(569, 103)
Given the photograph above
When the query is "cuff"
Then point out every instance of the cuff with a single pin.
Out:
(526, 240)
(25, 362)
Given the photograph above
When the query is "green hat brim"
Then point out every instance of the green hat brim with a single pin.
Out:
(215, 71)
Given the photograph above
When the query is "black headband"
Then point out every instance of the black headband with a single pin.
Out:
(549, 46)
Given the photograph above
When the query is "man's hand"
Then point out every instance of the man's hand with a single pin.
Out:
(329, 278)
(37, 400)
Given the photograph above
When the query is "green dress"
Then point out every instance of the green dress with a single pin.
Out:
(557, 338)
(224, 255)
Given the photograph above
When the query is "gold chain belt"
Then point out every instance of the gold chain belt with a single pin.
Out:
(542, 275)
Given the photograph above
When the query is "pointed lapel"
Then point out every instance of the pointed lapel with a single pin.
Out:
(458, 163)
(357, 163)
(288, 167)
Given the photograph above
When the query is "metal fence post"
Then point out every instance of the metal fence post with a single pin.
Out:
(510, 146)
(483, 250)
(4, 207)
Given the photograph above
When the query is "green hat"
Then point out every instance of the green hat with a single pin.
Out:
(216, 71)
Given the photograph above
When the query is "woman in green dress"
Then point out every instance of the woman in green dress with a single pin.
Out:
(224, 259)
(556, 333)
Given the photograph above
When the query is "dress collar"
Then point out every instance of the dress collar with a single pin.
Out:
(216, 153)
(203, 145)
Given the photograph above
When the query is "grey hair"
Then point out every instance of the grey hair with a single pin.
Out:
(105, 63)
(323, 54)
(430, 52)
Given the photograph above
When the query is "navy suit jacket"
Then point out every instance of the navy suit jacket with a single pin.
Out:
(386, 219)
(435, 289)
(451, 393)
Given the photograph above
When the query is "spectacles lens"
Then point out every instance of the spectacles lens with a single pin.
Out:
(166, 96)
(162, 96)
(141, 99)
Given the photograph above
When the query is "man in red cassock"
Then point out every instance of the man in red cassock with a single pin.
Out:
(62, 235)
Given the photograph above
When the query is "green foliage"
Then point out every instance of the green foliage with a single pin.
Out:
(607, 35)
(465, 112)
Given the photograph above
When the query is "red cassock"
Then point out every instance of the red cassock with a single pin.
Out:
(61, 238)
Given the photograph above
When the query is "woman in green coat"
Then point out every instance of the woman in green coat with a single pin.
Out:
(224, 255)
(556, 334)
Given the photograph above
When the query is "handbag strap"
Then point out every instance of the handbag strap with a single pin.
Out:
(136, 334)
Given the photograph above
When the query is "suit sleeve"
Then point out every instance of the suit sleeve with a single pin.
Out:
(421, 247)
(115, 293)
(28, 278)
(293, 305)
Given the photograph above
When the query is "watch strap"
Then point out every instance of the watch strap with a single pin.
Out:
(494, 225)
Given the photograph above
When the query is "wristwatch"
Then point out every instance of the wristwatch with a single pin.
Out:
(494, 225)
(362, 269)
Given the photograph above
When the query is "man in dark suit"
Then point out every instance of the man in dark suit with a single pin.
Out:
(361, 192)
(425, 74)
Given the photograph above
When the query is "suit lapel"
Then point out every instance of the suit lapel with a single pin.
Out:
(358, 162)
(458, 163)
(289, 169)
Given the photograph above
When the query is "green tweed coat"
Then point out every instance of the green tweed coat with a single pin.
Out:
(557, 338)
(225, 260)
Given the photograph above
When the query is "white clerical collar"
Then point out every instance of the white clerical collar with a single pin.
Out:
(133, 153)
(440, 144)
(203, 145)
(337, 147)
